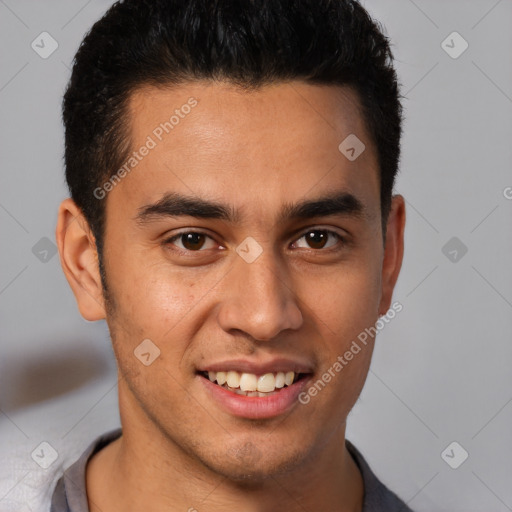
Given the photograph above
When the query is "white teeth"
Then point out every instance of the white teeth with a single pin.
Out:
(249, 384)
(267, 383)
(233, 379)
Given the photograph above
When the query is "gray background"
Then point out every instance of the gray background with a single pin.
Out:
(442, 369)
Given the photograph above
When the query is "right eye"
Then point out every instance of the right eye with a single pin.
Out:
(191, 241)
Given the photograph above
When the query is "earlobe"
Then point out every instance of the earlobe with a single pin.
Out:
(79, 260)
(393, 251)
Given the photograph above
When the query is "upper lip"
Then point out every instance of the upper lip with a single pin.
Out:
(258, 367)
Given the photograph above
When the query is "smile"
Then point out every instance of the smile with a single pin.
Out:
(252, 385)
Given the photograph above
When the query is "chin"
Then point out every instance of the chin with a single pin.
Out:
(248, 464)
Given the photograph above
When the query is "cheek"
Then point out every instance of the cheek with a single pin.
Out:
(345, 306)
(346, 301)
(151, 303)
(147, 290)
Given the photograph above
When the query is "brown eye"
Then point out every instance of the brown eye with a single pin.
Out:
(318, 238)
(189, 241)
(192, 241)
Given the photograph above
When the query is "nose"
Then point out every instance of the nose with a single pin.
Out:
(258, 299)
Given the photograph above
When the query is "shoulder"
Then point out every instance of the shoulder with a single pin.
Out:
(377, 497)
(69, 494)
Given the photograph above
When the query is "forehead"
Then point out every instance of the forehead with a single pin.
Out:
(296, 111)
(274, 145)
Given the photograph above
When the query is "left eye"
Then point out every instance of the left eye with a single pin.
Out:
(317, 238)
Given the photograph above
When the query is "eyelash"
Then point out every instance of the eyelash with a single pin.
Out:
(340, 238)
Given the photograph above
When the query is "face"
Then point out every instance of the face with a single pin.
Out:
(245, 246)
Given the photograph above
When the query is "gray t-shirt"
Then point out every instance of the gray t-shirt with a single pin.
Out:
(70, 492)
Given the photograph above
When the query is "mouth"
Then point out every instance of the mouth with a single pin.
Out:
(253, 385)
(250, 389)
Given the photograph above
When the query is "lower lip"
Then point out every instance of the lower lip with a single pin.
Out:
(255, 407)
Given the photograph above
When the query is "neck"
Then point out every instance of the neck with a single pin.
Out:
(145, 470)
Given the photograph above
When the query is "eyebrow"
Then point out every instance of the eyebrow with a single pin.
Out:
(174, 204)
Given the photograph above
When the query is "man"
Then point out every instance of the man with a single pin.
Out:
(231, 168)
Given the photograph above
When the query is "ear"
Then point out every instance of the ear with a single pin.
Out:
(393, 251)
(79, 260)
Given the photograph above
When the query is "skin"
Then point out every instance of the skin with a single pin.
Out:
(255, 151)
